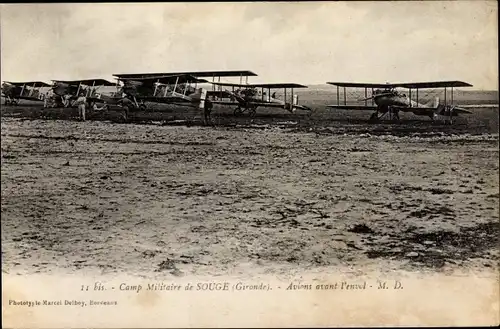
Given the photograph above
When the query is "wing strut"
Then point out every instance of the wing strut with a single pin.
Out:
(78, 89)
(156, 88)
(32, 89)
(89, 92)
(22, 89)
(166, 90)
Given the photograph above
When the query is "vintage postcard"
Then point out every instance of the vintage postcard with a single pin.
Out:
(249, 164)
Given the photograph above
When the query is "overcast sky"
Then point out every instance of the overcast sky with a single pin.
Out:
(305, 42)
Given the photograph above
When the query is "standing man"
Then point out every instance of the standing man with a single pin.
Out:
(208, 110)
(81, 102)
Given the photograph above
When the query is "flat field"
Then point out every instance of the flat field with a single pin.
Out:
(276, 194)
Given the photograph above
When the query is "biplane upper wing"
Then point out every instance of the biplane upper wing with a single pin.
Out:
(88, 82)
(35, 84)
(411, 85)
(278, 85)
(361, 85)
(165, 79)
(432, 84)
(259, 85)
(199, 74)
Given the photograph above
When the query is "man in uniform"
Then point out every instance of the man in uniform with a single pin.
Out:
(208, 110)
(81, 102)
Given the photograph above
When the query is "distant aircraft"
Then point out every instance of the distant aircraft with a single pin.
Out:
(15, 91)
(247, 97)
(387, 101)
(65, 92)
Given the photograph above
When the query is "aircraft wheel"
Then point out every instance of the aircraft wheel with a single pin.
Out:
(237, 111)
(253, 112)
(143, 107)
(374, 117)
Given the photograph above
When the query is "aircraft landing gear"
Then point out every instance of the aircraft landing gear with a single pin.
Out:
(13, 102)
(445, 116)
(238, 111)
(393, 115)
(449, 117)
(374, 117)
(396, 116)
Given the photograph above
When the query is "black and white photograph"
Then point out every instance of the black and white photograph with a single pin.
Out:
(281, 159)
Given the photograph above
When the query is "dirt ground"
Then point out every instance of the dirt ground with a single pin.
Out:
(263, 196)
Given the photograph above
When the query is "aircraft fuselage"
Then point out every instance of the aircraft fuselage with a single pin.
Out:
(385, 101)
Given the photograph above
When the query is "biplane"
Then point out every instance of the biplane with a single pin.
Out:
(65, 92)
(176, 88)
(387, 101)
(164, 89)
(15, 91)
(247, 97)
(215, 75)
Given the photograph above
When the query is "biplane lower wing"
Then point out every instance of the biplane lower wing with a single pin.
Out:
(402, 109)
(454, 109)
(165, 100)
(354, 107)
(461, 110)
(219, 93)
(224, 102)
